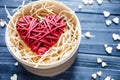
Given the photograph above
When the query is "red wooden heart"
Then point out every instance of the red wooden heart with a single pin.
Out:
(40, 35)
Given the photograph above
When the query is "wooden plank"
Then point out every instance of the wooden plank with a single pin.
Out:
(9, 3)
(96, 22)
(84, 48)
(88, 20)
(73, 73)
(88, 46)
(97, 50)
(113, 6)
(89, 60)
(99, 37)
(83, 60)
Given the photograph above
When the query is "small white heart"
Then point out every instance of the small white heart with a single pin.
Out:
(14, 77)
(85, 2)
(16, 63)
(99, 2)
(11, 78)
(115, 36)
(108, 22)
(118, 47)
(104, 64)
(99, 60)
(90, 2)
(106, 13)
(108, 78)
(109, 50)
(79, 7)
(94, 76)
(88, 34)
(115, 20)
(2, 23)
(99, 73)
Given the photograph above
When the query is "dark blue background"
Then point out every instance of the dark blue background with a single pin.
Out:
(92, 20)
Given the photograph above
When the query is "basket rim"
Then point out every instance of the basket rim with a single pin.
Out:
(51, 65)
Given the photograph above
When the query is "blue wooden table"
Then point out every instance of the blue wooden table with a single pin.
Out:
(92, 20)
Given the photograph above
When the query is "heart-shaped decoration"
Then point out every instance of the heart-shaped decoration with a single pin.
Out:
(118, 47)
(106, 13)
(115, 36)
(115, 20)
(99, 73)
(109, 50)
(108, 22)
(99, 2)
(40, 35)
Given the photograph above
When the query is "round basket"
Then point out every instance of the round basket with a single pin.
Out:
(44, 69)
